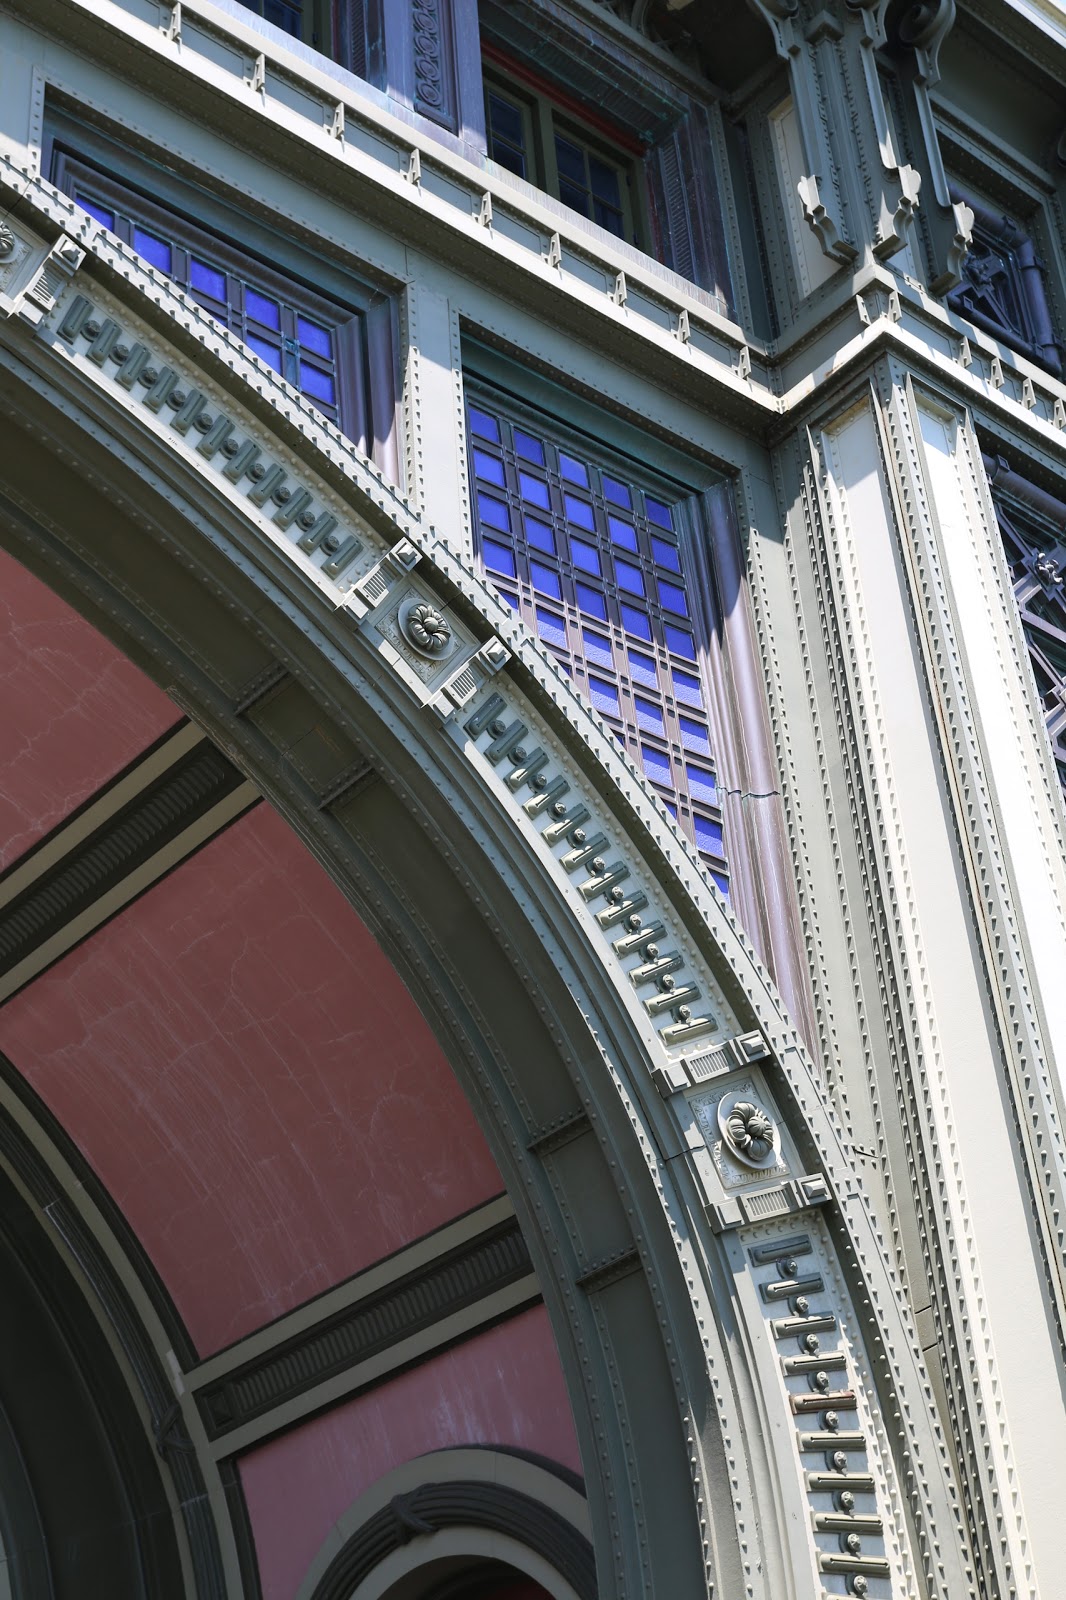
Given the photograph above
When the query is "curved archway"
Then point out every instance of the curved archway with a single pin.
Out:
(701, 1243)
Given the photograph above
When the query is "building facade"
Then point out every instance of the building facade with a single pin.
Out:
(533, 687)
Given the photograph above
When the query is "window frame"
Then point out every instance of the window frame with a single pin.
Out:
(352, 326)
(579, 665)
(549, 113)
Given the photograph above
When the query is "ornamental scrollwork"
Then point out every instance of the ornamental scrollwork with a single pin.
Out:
(7, 242)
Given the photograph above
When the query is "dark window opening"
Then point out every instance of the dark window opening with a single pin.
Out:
(1003, 290)
(596, 563)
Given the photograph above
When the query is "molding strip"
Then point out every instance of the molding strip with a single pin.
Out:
(173, 800)
(469, 1273)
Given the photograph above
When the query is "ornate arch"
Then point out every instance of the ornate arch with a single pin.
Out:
(729, 1326)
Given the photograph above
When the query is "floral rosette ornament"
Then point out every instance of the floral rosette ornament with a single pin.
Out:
(426, 629)
(749, 1132)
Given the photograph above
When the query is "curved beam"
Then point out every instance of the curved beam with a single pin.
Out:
(727, 1319)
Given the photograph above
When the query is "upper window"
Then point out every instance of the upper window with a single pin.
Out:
(1002, 289)
(598, 565)
(312, 342)
(589, 168)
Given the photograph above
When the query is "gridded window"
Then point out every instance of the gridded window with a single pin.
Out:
(1036, 556)
(309, 340)
(595, 563)
(529, 136)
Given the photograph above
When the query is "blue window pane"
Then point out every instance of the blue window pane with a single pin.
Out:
(539, 535)
(721, 883)
(270, 353)
(263, 310)
(154, 250)
(597, 648)
(616, 492)
(623, 533)
(494, 512)
(643, 670)
(702, 785)
(694, 736)
(649, 717)
(672, 597)
(657, 512)
(512, 599)
(680, 642)
(656, 766)
(575, 471)
(551, 628)
(485, 426)
(578, 511)
(687, 688)
(208, 280)
(497, 557)
(630, 578)
(101, 213)
(544, 580)
(315, 338)
(528, 448)
(591, 601)
(667, 555)
(634, 621)
(489, 468)
(708, 835)
(584, 556)
(668, 805)
(535, 490)
(318, 384)
(604, 696)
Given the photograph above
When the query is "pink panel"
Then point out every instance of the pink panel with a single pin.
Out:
(504, 1387)
(73, 711)
(251, 1080)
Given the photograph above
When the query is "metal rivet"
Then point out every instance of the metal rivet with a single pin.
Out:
(150, 375)
(634, 923)
(558, 809)
(788, 1267)
(666, 983)
(282, 494)
(539, 781)
(257, 470)
(820, 1380)
(617, 895)
(497, 727)
(684, 1013)
(801, 1305)
(518, 755)
(579, 836)
(853, 1544)
(176, 398)
(652, 952)
(230, 447)
(92, 328)
(811, 1343)
(204, 421)
(306, 520)
(331, 543)
(120, 352)
(845, 1500)
(831, 1420)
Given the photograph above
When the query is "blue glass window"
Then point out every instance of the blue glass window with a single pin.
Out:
(672, 597)
(656, 766)
(207, 279)
(262, 309)
(493, 512)
(544, 580)
(680, 641)
(158, 252)
(579, 512)
(634, 621)
(687, 688)
(667, 555)
(95, 209)
(265, 350)
(694, 736)
(597, 648)
(630, 578)
(658, 513)
(575, 471)
(591, 601)
(313, 337)
(616, 492)
(318, 384)
(539, 534)
(642, 669)
(708, 835)
(527, 447)
(489, 468)
(649, 717)
(497, 557)
(604, 696)
(701, 784)
(551, 628)
(484, 425)
(535, 490)
(623, 534)
(585, 556)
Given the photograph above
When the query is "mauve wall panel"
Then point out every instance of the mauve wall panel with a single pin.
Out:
(73, 711)
(250, 1079)
(503, 1387)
